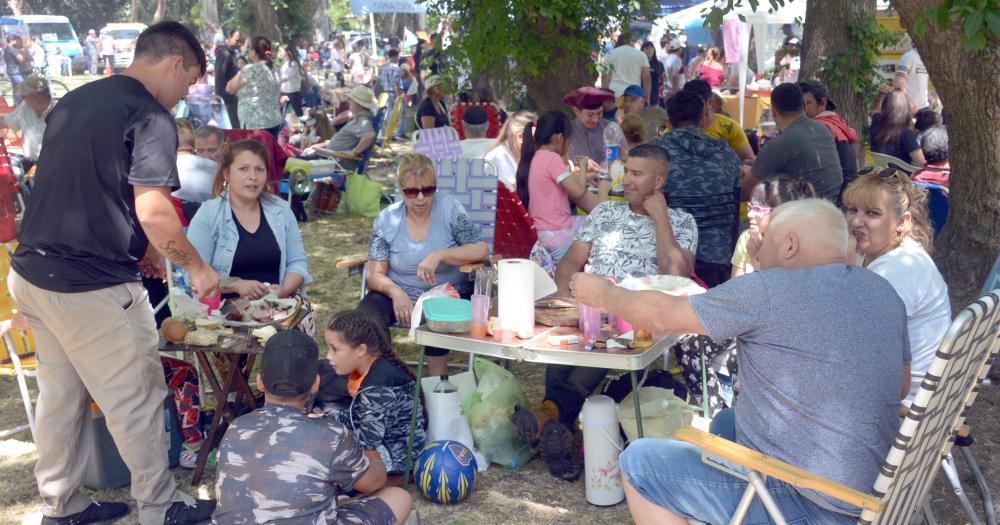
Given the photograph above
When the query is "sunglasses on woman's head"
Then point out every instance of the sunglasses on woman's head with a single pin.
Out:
(427, 191)
(758, 209)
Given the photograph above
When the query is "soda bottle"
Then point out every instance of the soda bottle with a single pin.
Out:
(444, 386)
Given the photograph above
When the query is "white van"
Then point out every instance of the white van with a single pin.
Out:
(125, 35)
(53, 31)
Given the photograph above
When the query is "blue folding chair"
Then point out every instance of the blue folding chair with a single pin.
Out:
(937, 205)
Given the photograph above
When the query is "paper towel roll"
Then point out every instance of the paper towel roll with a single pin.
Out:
(516, 297)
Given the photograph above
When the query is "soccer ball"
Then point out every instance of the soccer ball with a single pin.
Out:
(446, 472)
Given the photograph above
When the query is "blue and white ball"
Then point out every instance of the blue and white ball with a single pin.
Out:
(445, 472)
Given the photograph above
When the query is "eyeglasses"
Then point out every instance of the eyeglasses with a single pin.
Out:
(427, 191)
(758, 209)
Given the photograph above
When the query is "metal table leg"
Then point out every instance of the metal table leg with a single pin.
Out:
(638, 400)
(413, 421)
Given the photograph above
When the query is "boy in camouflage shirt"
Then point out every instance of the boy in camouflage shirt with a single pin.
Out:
(278, 466)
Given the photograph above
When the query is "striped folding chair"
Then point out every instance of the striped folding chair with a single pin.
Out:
(925, 437)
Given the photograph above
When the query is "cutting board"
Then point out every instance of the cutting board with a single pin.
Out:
(557, 316)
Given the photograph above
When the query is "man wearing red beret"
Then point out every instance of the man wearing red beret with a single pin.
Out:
(588, 127)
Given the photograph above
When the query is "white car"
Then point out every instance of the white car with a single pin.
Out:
(125, 35)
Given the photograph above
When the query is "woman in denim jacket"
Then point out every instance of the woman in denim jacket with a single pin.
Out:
(247, 232)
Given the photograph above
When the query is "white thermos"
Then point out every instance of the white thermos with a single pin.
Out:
(602, 443)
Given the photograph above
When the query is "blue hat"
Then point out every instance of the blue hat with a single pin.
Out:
(634, 91)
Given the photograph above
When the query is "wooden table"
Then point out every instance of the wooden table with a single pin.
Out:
(235, 379)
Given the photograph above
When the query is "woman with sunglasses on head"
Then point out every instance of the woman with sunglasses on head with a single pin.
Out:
(766, 196)
(892, 236)
(418, 243)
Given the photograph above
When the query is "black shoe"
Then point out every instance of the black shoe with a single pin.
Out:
(181, 513)
(558, 448)
(104, 512)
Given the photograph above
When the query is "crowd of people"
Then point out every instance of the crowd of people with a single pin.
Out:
(832, 279)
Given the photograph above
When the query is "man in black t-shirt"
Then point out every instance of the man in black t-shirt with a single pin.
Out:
(225, 69)
(12, 61)
(99, 218)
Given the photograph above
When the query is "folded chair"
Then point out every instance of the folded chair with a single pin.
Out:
(924, 438)
(882, 161)
(17, 356)
(937, 205)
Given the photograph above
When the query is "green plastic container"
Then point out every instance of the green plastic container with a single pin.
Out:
(447, 315)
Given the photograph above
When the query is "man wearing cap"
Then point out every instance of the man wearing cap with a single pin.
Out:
(355, 137)
(475, 122)
(626, 65)
(276, 464)
(29, 116)
(633, 102)
(820, 108)
(587, 137)
(673, 68)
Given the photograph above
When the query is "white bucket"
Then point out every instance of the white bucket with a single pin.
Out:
(602, 443)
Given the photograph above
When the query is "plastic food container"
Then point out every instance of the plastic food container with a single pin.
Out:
(447, 315)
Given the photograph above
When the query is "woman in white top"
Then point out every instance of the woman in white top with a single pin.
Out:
(291, 77)
(887, 216)
(505, 153)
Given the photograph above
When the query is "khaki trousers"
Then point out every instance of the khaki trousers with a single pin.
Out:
(102, 343)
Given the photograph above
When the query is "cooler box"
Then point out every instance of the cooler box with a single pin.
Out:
(105, 468)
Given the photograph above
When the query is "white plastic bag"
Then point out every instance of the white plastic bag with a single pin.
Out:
(444, 413)
(663, 413)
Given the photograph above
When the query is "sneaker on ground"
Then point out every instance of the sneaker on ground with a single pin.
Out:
(180, 513)
(103, 512)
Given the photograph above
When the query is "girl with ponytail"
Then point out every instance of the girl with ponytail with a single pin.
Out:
(379, 385)
(258, 89)
(548, 186)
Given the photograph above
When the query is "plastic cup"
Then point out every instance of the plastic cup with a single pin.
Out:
(480, 314)
(590, 322)
(619, 323)
(212, 302)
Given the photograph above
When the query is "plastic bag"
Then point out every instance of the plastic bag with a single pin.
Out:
(445, 419)
(441, 290)
(663, 413)
(488, 410)
(363, 196)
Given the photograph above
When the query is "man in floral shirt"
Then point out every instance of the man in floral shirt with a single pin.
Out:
(636, 238)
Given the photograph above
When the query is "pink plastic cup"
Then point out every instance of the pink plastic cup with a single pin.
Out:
(590, 322)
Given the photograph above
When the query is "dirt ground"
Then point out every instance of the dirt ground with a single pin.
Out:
(528, 496)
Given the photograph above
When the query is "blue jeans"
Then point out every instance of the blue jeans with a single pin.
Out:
(670, 474)
(15, 80)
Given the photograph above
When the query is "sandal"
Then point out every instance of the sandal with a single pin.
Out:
(529, 422)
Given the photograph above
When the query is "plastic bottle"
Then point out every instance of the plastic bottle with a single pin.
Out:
(444, 386)
(612, 138)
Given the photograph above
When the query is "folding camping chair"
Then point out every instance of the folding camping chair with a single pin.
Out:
(937, 205)
(926, 434)
(882, 161)
(17, 356)
(492, 118)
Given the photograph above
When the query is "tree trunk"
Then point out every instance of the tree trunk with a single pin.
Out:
(321, 20)
(210, 13)
(16, 7)
(161, 11)
(826, 34)
(968, 245)
(133, 15)
(565, 71)
(265, 20)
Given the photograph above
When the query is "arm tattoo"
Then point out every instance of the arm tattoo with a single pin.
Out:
(179, 257)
